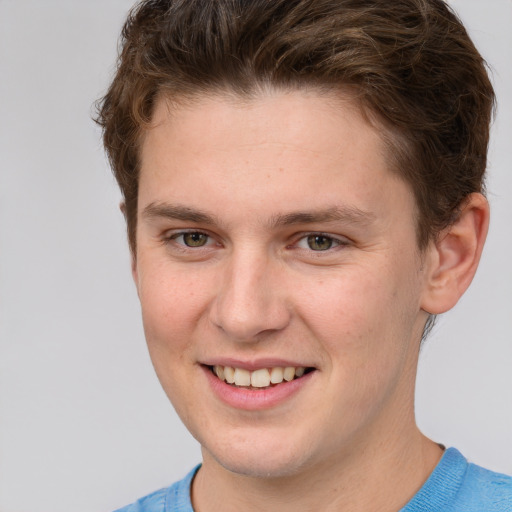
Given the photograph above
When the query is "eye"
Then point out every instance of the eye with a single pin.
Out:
(319, 242)
(191, 239)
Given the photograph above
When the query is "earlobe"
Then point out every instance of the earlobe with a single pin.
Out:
(122, 207)
(453, 258)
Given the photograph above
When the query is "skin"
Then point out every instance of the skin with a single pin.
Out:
(354, 311)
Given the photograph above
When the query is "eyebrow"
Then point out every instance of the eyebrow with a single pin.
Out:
(177, 212)
(345, 214)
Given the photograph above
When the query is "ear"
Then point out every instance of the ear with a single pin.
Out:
(135, 273)
(453, 258)
(122, 207)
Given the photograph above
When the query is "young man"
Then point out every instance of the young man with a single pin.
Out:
(302, 185)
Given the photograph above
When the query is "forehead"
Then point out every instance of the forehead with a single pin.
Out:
(310, 122)
(289, 148)
(266, 106)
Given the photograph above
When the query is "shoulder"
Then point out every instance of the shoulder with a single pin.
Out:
(456, 485)
(175, 498)
(482, 487)
(154, 502)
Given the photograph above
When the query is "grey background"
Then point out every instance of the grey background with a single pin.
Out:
(84, 425)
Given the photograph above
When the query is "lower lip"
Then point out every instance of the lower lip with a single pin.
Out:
(255, 399)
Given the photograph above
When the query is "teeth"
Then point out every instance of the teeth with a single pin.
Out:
(289, 373)
(242, 377)
(219, 371)
(276, 375)
(229, 374)
(261, 378)
(299, 371)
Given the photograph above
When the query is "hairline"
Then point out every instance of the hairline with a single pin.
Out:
(394, 144)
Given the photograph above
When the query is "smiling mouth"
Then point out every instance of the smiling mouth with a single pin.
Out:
(259, 379)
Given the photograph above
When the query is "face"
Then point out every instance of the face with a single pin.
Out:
(276, 249)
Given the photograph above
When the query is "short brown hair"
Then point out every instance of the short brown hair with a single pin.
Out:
(411, 62)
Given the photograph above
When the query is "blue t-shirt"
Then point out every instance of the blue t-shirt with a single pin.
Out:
(454, 486)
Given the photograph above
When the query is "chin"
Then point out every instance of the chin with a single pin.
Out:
(257, 468)
(260, 461)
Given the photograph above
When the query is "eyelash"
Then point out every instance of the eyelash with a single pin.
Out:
(335, 243)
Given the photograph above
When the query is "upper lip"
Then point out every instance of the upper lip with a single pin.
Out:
(254, 364)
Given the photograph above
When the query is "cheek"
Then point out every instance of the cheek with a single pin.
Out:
(347, 306)
(364, 318)
(172, 303)
(171, 307)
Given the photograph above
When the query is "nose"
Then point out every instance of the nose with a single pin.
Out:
(251, 301)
